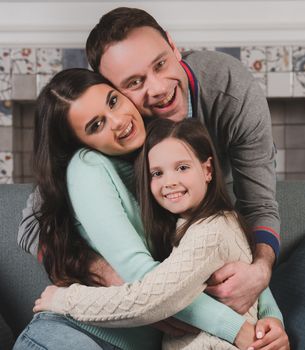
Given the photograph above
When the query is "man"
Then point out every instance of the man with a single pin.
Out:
(130, 49)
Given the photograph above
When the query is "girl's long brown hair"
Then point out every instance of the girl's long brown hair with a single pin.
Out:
(159, 223)
(66, 255)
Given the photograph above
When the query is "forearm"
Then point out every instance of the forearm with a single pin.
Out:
(267, 306)
(28, 230)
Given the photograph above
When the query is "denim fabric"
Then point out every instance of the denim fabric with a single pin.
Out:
(288, 288)
(49, 331)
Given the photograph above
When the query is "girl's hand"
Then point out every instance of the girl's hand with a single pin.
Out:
(271, 335)
(45, 300)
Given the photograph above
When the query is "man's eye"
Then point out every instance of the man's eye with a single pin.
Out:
(134, 83)
(160, 64)
(112, 102)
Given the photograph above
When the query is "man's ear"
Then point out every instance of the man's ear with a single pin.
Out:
(174, 47)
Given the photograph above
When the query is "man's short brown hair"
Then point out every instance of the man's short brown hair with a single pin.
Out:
(115, 26)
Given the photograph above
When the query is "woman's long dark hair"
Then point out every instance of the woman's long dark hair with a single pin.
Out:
(159, 223)
(66, 255)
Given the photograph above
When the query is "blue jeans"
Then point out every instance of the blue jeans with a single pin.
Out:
(50, 331)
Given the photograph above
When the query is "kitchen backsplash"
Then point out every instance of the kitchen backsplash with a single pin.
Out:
(280, 70)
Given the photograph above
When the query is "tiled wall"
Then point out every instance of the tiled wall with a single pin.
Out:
(23, 72)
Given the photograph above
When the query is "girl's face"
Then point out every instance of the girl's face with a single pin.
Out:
(178, 180)
(105, 120)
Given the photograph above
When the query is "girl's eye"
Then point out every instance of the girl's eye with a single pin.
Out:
(156, 174)
(113, 100)
(183, 167)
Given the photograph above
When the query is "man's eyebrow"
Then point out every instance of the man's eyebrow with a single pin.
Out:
(91, 121)
(134, 76)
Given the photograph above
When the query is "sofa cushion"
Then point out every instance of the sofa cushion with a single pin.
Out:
(6, 335)
(288, 286)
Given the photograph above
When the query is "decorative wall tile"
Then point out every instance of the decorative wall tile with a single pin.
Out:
(74, 58)
(254, 57)
(299, 84)
(23, 61)
(41, 81)
(6, 167)
(6, 113)
(5, 87)
(5, 61)
(262, 80)
(280, 161)
(295, 161)
(294, 136)
(6, 138)
(278, 133)
(49, 61)
(24, 87)
(233, 51)
(279, 84)
(279, 59)
(298, 58)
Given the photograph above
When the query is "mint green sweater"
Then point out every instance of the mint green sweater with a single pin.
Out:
(108, 217)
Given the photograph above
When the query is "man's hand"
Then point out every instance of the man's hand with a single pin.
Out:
(175, 327)
(239, 284)
(104, 273)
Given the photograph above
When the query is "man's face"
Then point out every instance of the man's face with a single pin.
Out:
(146, 69)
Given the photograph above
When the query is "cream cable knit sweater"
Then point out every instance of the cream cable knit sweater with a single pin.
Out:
(169, 288)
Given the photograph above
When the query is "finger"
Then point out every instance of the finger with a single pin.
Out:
(221, 275)
(260, 329)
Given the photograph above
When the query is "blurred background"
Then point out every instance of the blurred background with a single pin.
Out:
(40, 38)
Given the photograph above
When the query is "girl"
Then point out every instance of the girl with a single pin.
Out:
(93, 178)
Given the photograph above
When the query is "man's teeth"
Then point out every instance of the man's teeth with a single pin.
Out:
(166, 100)
(127, 131)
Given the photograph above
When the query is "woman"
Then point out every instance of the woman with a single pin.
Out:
(85, 192)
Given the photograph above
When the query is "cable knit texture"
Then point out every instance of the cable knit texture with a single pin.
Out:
(170, 287)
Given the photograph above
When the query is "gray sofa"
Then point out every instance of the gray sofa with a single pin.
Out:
(22, 279)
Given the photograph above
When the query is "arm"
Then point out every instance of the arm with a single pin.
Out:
(170, 287)
(252, 157)
(97, 196)
(28, 231)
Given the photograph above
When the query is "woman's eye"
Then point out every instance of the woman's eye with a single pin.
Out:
(112, 102)
(96, 126)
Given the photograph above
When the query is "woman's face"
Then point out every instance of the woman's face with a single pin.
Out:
(104, 119)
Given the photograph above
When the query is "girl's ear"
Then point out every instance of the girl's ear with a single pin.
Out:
(174, 47)
(207, 167)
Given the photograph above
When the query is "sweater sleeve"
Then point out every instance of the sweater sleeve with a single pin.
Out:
(267, 306)
(252, 155)
(170, 287)
(28, 230)
(97, 197)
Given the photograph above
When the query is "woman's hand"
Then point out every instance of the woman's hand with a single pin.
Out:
(45, 300)
(245, 336)
(271, 335)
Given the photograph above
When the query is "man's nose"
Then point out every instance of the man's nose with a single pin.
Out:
(156, 86)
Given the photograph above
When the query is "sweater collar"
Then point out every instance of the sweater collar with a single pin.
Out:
(193, 86)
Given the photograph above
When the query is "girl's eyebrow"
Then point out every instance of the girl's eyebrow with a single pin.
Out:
(91, 121)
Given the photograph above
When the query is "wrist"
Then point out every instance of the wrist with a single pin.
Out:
(245, 336)
(264, 258)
